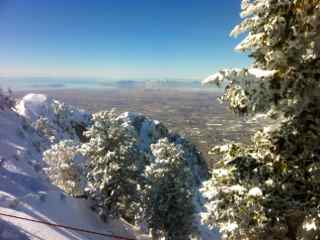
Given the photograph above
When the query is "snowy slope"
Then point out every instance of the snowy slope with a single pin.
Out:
(26, 191)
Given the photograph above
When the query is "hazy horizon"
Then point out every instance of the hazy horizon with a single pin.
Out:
(47, 83)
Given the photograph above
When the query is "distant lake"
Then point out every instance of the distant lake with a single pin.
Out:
(43, 83)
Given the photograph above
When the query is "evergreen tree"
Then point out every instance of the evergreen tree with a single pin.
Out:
(270, 189)
(169, 203)
(66, 167)
(113, 177)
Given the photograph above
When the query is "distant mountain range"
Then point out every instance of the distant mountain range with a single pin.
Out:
(154, 84)
(53, 83)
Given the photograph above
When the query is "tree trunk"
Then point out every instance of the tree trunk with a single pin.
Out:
(294, 221)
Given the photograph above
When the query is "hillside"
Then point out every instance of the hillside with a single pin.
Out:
(38, 122)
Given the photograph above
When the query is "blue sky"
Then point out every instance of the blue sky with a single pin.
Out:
(129, 39)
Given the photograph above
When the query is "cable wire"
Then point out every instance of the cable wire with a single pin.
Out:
(67, 227)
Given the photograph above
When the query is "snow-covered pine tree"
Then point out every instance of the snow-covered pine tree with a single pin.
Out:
(270, 189)
(169, 204)
(46, 129)
(6, 100)
(112, 173)
(66, 167)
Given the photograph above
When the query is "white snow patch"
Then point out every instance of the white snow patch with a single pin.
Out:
(32, 106)
(213, 78)
(260, 73)
(237, 74)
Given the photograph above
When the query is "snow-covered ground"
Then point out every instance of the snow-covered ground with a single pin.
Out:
(26, 191)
